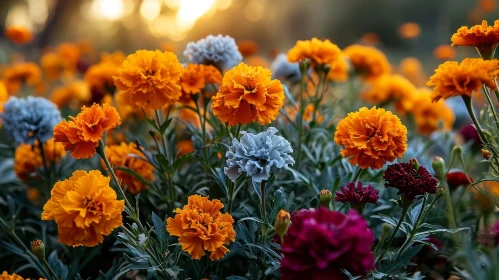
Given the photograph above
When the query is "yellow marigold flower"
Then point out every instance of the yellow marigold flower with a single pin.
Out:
(486, 193)
(51, 65)
(28, 158)
(428, 114)
(453, 78)
(444, 52)
(319, 52)
(371, 137)
(69, 55)
(411, 67)
(202, 227)
(391, 88)
(194, 79)
(6, 276)
(17, 74)
(478, 36)
(74, 94)
(248, 94)
(184, 147)
(409, 30)
(247, 47)
(127, 155)
(81, 135)
(18, 34)
(367, 61)
(369, 39)
(339, 70)
(85, 208)
(99, 77)
(150, 79)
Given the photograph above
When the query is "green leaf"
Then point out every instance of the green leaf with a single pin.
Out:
(164, 126)
(160, 230)
(402, 261)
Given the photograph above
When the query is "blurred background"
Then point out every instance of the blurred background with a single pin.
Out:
(401, 28)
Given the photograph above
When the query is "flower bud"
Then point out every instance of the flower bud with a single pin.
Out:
(325, 198)
(386, 228)
(38, 249)
(457, 151)
(486, 154)
(415, 164)
(304, 64)
(282, 222)
(438, 165)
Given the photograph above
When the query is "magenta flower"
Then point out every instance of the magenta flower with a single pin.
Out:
(409, 181)
(358, 196)
(490, 236)
(320, 243)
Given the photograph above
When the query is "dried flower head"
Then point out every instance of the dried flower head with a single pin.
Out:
(150, 79)
(85, 208)
(81, 135)
(29, 119)
(321, 243)
(453, 79)
(410, 182)
(202, 227)
(371, 137)
(257, 154)
(219, 51)
(248, 94)
(367, 61)
(127, 155)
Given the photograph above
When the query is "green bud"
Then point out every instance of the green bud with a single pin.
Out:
(386, 228)
(38, 249)
(457, 151)
(304, 65)
(325, 198)
(438, 165)
(415, 164)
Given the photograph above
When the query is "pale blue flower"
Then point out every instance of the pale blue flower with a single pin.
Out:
(31, 118)
(282, 69)
(257, 155)
(220, 51)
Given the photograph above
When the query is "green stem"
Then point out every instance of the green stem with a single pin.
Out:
(357, 175)
(262, 208)
(238, 130)
(496, 90)
(230, 196)
(46, 170)
(300, 117)
(469, 107)
(28, 251)
(492, 108)
(49, 269)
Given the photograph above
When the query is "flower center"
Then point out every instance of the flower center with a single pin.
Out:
(91, 205)
(150, 72)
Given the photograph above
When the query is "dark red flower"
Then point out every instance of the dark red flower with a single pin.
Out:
(320, 243)
(357, 194)
(469, 133)
(458, 178)
(490, 236)
(409, 181)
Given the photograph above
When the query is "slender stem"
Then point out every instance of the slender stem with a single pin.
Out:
(230, 196)
(357, 175)
(469, 107)
(238, 130)
(402, 217)
(496, 90)
(49, 269)
(415, 228)
(46, 170)
(492, 108)
(262, 208)
(300, 116)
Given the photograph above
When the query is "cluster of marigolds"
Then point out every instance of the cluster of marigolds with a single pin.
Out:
(85, 207)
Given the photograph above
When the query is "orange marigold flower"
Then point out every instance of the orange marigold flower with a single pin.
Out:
(6, 276)
(409, 30)
(488, 5)
(308, 115)
(371, 137)
(339, 70)
(369, 39)
(18, 34)
(116, 57)
(428, 115)
(483, 37)
(169, 47)
(52, 65)
(247, 47)
(202, 227)
(319, 52)
(18, 74)
(99, 77)
(4, 96)
(444, 52)
(81, 135)
(184, 147)
(74, 94)
(126, 110)
(453, 78)
(391, 88)
(70, 55)
(411, 67)
(33, 195)
(248, 94)
(188, 116)
(150, 79)
(127, 155)
(28, 158)
(367, 61)
(85, 208)
(194, 79)
(256, 60)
